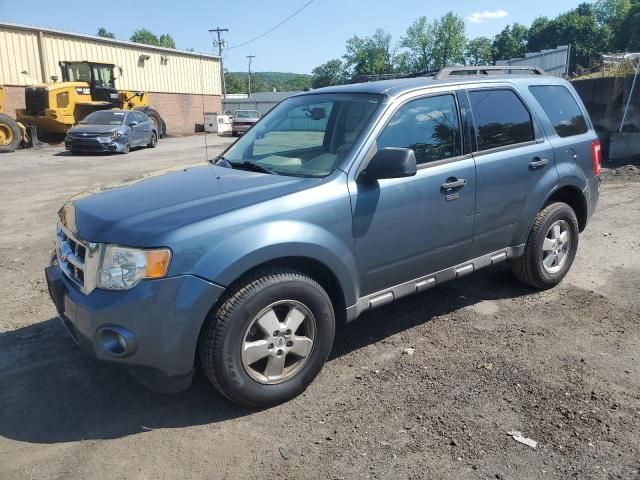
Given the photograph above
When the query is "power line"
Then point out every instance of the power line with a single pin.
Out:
(221, 43)
(273, 28)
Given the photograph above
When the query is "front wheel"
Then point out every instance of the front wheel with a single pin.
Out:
(269, 339)
(153, 141)
(126, 149)
(550, 248)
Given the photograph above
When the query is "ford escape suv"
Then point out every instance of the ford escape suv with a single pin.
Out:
(336, 202)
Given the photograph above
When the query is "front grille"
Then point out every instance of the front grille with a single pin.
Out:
(82, 135)
(36, 100)
(77, 259)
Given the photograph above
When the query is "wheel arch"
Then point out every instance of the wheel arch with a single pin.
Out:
(575, 198)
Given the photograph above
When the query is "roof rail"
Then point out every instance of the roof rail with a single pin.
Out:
(391, 76)
(449, 72)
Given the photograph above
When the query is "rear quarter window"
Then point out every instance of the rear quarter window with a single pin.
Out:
(501, 118)
(561, 108)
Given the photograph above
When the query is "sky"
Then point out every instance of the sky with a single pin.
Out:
(317, 34)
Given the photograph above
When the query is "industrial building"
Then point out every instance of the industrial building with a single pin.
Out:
(182, 85)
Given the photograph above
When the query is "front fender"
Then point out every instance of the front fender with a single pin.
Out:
(256, 245)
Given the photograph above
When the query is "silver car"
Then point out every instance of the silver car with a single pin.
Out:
(243, 120)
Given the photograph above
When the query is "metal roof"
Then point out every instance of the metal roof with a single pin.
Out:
(96, 38)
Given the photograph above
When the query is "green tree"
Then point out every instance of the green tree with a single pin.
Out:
(511, 42)
(235, 83)
(369, 55)
(479, 51)
(449, 41)
(144, 36)
(580, 29)
(149, 38)
(628, 34)
(542, 34)
(103, 32)
(329, 73)
(418, 40)
(166, 41)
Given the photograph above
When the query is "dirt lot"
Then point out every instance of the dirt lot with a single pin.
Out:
(491, 356)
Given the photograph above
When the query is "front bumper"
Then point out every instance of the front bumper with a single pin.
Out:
(163, 317)
(236, 128)
(97, 144)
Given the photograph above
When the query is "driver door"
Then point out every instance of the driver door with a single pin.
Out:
(406, 228)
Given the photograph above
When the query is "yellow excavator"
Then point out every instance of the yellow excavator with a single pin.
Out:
(53, 108)
(12, 132)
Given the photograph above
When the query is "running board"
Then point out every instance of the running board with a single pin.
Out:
(426, 282)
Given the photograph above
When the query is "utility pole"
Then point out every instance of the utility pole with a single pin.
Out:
(250, 57)
(220, 43)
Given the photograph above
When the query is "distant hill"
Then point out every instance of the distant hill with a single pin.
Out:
(236, 82)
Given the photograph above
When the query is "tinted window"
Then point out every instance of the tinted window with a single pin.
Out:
(428, 126)
(140, 117)
(501, 118)
(561, 108)
(104, 118)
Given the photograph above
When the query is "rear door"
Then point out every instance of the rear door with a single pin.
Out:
(409, 227)
(514, 167)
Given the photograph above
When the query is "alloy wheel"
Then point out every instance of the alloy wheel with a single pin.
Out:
(278, 342)
(556, 246)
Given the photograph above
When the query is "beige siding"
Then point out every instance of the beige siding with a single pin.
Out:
(180, 73)
(19, 53)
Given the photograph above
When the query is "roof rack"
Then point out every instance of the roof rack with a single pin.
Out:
(449, 72)
(391, 76)
(486, 70)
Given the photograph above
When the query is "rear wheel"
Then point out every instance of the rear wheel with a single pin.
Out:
(550, 248)
(10, 134)
(269, 339)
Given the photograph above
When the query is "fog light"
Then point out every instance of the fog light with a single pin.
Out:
(117, 341)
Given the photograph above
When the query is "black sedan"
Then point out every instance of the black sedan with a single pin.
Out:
(112, 131)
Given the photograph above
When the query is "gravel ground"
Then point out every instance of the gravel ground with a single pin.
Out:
(490, 356)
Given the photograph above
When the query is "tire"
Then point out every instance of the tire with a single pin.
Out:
(153, 142)
(233, 325)
(234, 134)
(544, 244)
(10, 133)
(161, 126)
(126, 149)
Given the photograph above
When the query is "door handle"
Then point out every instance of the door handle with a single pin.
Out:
(538, 162)
(454, 183)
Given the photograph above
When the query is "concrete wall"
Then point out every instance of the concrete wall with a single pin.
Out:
(605, 99)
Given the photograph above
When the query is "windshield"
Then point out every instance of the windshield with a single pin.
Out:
(306, 135)
(104, 118)
(247, 114)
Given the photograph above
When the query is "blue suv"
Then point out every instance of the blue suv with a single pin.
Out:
(336, 202)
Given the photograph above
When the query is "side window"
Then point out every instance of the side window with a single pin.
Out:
(140, 117)
(501, 118)
(561, 108)
(428, 126)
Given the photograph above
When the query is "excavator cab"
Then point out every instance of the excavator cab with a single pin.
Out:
(99, 76)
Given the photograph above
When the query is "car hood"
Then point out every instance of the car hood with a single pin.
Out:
(139, 211)
(95, 128)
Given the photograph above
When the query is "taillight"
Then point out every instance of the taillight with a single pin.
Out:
(596, 153)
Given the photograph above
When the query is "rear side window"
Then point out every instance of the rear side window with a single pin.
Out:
(428, 126)
(501, 118)
(561, 108)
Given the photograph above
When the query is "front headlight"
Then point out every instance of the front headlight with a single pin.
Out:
(123, 268)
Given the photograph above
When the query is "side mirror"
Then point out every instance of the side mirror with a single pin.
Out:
(390, 163)
(133, 123)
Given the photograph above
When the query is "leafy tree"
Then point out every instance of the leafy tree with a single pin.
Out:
(144, 36)
(419, 40)
(329, 73)
(166, 41)
(611, 12)
(235, 83)
(479, 51)
(369, 55)
(511, 42)
(542, 34)
(628, 35)
(103, 32)
(149, 38)
(449, 41)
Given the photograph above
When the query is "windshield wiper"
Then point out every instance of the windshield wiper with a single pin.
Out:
(253, 167)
